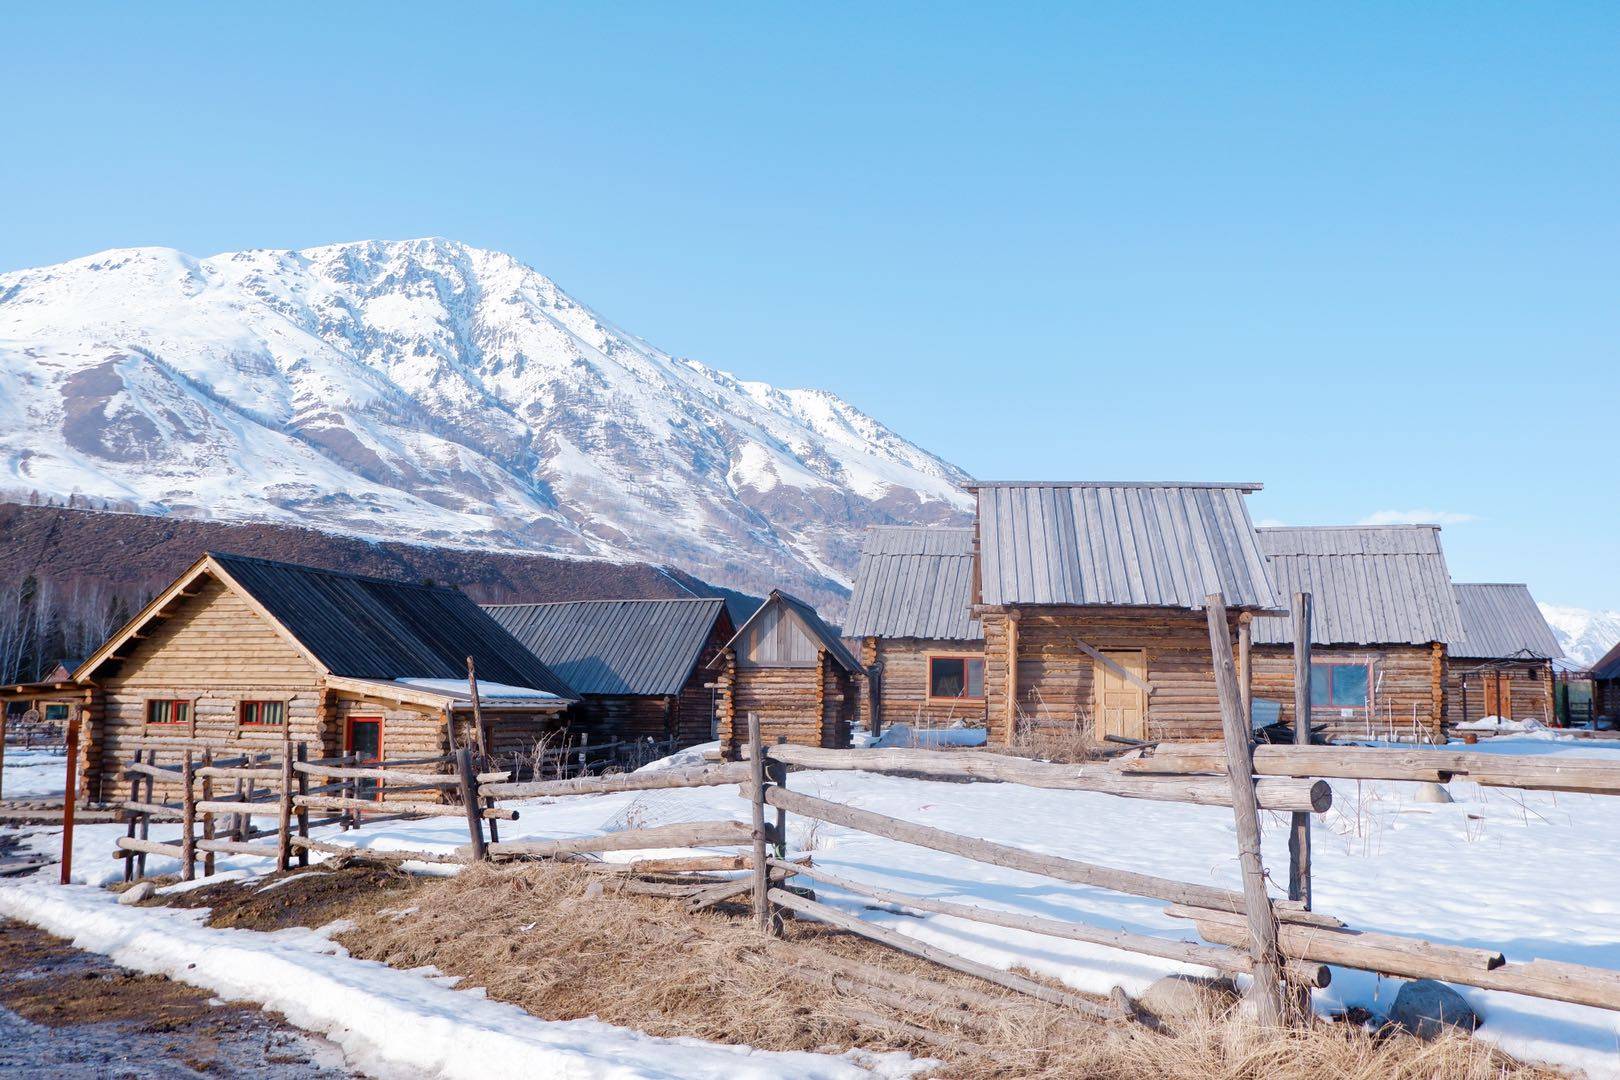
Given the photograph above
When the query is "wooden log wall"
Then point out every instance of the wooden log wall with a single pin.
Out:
(1055, 678)
(1606, 697)
(810, 706)
(905, 682)
(215, 652)
(1406, 684)
(1528, 684)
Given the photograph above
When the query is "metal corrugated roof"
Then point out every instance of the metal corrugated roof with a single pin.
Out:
(813, 622)
(1608, 665)
(1502, 622)
(372, 628)
(1369, 584)
(644, 647)
(914, 582)
(1119, 544)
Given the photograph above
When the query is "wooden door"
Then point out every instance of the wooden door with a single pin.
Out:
(1498, 694)
(1121, 705)
(363, 738)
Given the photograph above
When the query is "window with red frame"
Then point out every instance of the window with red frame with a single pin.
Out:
(955, 677)
(161, 711)
(262, 713)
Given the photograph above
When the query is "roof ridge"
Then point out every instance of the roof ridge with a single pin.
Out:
(1240, 485)
(625, 600)
(307, 569)
(1341, 528)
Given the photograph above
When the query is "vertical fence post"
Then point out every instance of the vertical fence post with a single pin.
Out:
(69, 796)
(469, 799)
(284, 818)
(762, 869)
(188, 820)
(1299, 831)
(1266, 991)
(146, 819)
(134, 796)
(303, 810)
(244, 793)
(208, 815)
(777, 771)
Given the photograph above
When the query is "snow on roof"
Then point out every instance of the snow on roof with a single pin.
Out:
(487, 691)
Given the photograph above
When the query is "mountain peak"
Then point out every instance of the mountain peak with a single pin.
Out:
(427, 389)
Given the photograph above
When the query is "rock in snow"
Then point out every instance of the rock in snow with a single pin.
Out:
(432, 391)
(141, 890)
(1188, 997)
(1428, 1008)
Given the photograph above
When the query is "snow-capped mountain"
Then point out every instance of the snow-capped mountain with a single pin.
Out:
(431, 391)
(1584, 635)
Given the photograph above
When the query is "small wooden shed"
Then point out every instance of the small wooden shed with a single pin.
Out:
(1606, 686)
(1503, 663)
(239, 654)
(1092, 597)
(639, 667)
(789, 667)
(1383, 611)
(911, 612)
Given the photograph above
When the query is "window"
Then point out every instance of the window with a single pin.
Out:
(1339, 686)
(56, 714)
(955, 677)
(168, 712)
(262, 713)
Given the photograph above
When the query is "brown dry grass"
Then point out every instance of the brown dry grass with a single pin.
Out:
(563, 943)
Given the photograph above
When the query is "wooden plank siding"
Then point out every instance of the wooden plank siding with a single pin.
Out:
(1406, 686)
(1055, 678)
(903, 682)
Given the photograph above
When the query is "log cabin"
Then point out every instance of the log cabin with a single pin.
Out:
(1606, 686)
(793, 670)
(1383, 611)
(1503, 663)
(241, 655)
(910, 612)
(639, 667)
(1092, 599)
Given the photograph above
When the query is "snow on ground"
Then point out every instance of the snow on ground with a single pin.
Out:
(33, 774)
(389, 1020)
(1531, 874)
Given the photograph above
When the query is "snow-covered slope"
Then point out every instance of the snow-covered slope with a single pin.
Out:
(428, 390)
(1584, 635)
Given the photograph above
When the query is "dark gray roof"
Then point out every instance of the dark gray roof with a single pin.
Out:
(640, 647)
(825, 634)
(1119, 544)
(914, 582)
(1369, 584)
(1502, 622)
(371, 628)
(1608, 666)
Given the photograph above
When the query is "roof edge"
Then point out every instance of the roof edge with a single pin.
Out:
(1239, 485)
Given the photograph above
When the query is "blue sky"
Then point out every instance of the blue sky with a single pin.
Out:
(1368, 255)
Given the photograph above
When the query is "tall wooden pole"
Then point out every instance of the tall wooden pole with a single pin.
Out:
(762, 869)
(1266, 993)
(70, 795)
(1246, 666)
(1012, 675)
(1299, 835)
(469, 799)
(188, 819)
(478, 715)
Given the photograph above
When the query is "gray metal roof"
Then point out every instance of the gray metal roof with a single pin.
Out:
(1608, 665)
(914, 582)
(825, 634)
(1369, 584)
(1502, 622)
(635, 647)
(1121, 544)
(373, 628)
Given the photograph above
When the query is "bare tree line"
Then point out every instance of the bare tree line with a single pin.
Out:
(43, 621)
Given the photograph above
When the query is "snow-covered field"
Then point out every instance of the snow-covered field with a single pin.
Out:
(1530, 874)
(33, 774)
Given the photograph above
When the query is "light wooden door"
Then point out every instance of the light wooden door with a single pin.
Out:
(1498, 689)
(1121, 705)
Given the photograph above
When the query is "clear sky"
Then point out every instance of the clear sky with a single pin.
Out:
(1367, 254)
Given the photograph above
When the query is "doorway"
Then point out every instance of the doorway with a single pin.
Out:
(1121, 704)
(362, 737)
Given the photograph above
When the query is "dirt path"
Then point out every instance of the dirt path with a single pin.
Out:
(64, 1012)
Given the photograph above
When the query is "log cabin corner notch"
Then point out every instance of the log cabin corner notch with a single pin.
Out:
(1091, 595)
(1503, 664)
(787, 665)
(910, 610)
(639, 667)
(329, 647)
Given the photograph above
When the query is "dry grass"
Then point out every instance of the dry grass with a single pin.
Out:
(563, 943)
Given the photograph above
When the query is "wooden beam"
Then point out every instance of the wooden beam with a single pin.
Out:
(1123, 672)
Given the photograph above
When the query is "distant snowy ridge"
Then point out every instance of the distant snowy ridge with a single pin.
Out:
(1584, 635)
(427, 390)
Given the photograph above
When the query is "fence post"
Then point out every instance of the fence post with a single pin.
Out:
(244, 793)
(777, 771)
(134, 796)
(1266, 991)
(208, 815)
(188, 820)
(146, 819)
(762, 868)
(1299, 836)
(284, 818)
(469, 799)
(303, 811)
(69, 796)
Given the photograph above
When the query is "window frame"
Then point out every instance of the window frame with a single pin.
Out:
(67, 712)
(1365, 665)
(243, 723)
(168, 725)
(965, 658)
